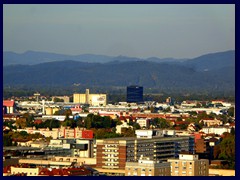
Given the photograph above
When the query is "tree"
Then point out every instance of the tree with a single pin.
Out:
(163, 123)
(7, 140)
(136, 126)
(69, 122)
(58, 100)
(231, 111)
(88, 122)
(226, 149)
(232, 131)
(21, 122)
(168, 109)
(128, 132)
(107, 122)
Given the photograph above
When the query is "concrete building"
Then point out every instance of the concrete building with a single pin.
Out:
(143, 122)
(25, 170)
(215, 130)
(146, 167)
(211, 122)
(113, 153)
(120, 127)
(189, 165)
(59, 161)
(78, 147)
(62, 132)
(91, 99)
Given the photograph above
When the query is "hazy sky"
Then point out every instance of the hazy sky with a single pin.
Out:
(160, 30)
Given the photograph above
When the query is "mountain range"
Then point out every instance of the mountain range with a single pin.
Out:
(34, 57)
(213, 72)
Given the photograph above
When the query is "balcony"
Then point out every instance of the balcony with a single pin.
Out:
(110, 167)
(114, 153)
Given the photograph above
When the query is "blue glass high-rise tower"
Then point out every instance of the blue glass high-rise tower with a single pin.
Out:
(135, 94)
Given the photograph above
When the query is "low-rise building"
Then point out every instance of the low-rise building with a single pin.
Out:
(189, 165)
(147, 167)
(215, 130)
(143, 122)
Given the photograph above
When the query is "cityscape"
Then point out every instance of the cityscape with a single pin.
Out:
(132, 138)
(130, 112)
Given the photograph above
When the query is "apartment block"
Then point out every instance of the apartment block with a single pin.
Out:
(115, 152)
(189, 165)
(147, 167)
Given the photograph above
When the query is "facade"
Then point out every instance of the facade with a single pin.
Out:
(115, 152)
(143, 122)
(62, 132)
(77, 147)
(91, 99)
(146, 167)
(59, 161)
(215, 130)
(189, 165)
(211, 122)
(8, 106)
(123, 125)
(25, 170)
(134, 94)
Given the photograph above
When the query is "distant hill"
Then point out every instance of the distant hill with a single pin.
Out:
(33, 57)
(190, 74)
(212, 61)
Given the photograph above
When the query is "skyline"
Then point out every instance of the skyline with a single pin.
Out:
(177, 31)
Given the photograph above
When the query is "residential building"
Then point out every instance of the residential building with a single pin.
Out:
(113, 153)
(147, 167)
(78, 147)
(59, 161)
(211, 122)
(62, 132)
(189, 165)
(120, 127)
(215, 130)
(143, 122)
(8, 106)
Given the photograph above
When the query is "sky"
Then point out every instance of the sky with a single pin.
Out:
(135, 30)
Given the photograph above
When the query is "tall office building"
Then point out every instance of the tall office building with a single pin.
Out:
(134, 94)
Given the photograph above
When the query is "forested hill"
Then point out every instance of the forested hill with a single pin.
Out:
(202, 73)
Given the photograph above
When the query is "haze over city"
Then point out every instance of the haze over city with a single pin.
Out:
(136, 30)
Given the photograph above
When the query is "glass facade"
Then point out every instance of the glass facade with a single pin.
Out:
(134, 94)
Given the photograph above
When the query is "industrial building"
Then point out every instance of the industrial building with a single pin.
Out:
(91, 99)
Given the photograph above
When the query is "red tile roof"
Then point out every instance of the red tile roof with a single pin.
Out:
(8, 103)
(65, 172)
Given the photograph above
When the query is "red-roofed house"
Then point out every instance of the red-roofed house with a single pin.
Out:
(8, 106)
